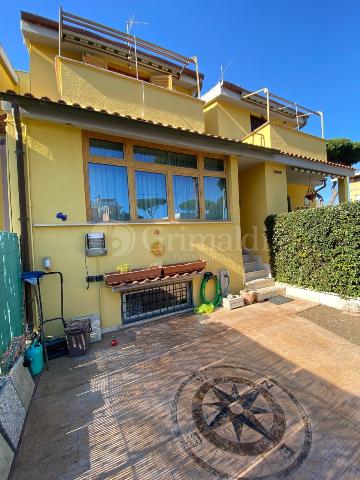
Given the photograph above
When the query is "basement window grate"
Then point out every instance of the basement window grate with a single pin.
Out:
(156, 302)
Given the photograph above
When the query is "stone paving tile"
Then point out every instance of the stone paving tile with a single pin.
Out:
(352, 473)
(336, 445)
(111, 413)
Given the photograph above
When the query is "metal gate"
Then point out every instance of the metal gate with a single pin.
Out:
(11, 290)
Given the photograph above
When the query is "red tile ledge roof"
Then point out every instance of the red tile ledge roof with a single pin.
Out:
(161, 279)
(316, 160)
(137, 119)
(151, 122)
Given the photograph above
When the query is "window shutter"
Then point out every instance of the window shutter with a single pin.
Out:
(164, 81)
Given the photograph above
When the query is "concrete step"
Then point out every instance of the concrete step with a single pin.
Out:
(254, 275)
(262, 294)
(260, 283)
(246, 251)
(246, 258)
(251, 266)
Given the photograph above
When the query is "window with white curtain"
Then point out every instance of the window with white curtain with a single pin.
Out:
(215, 198)
(186, 197)
(108, 192)
(128, 182)
(151, 195)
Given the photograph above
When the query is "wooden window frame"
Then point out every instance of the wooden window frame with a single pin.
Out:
(136, 165)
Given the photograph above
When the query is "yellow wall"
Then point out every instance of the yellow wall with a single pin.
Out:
(13, 177)
(88, 85)
(343, 190)
(261, 137)
(297, 142)
(288, 140)
(24, 81)
(262, 192)
(297, 193)
(55, 171)
(226, 120)
(5, 81)
(276, 188)
(252, 193)
(211, 119)
(354, 190)
(43, 82)
(57, 178)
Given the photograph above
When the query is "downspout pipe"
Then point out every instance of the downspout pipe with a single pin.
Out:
(24, 232)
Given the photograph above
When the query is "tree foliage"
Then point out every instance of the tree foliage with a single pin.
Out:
(318, 248)
(150, 205)
(343, 150)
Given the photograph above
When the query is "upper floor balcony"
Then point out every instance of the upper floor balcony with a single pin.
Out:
(264, 119)
(104, 68)
(288, 140)
(88, 85)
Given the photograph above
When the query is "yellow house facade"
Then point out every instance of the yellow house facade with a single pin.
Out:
(118, 141)
(355, 187)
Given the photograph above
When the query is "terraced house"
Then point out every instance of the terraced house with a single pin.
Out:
(111, 135)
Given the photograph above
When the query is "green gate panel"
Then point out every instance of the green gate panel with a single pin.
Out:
(11, 290)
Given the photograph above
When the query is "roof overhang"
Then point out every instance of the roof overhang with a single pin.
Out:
(146, 130)
(125, 126)
(233, 94)
(325, 168)
(4, 60)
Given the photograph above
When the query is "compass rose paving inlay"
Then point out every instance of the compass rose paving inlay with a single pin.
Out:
(236, 423)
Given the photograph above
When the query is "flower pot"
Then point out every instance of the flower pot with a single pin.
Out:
(249, 297)
(114, 278)
(188, 267)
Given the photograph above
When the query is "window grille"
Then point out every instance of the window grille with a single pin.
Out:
(156, 302)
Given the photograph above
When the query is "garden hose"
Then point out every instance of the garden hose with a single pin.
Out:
(216, 301)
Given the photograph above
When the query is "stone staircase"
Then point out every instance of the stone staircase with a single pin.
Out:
(258, 277)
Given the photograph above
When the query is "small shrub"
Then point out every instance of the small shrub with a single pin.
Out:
(317, 248)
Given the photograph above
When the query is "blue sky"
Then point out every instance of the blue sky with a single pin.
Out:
(307, 51)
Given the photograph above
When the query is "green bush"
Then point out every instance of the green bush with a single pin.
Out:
(317, 248)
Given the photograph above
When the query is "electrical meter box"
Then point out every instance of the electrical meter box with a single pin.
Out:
(95, 245)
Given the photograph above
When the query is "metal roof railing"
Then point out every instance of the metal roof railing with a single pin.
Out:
(95, 36)
(300, 111)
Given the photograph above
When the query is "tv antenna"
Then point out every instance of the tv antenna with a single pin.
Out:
(131, 22)
(223, 70)
(129, 25)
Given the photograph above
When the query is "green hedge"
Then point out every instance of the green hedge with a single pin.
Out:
(317, 248)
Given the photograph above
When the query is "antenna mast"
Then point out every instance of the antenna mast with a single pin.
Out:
(223, 70)
(129, 25)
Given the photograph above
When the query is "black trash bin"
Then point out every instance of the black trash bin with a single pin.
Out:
(78, 337)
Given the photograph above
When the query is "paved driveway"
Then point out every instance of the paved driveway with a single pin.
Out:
(255, 393)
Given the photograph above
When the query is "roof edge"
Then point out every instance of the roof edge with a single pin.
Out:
(54, 25)
(8, 66)
(11, 96)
